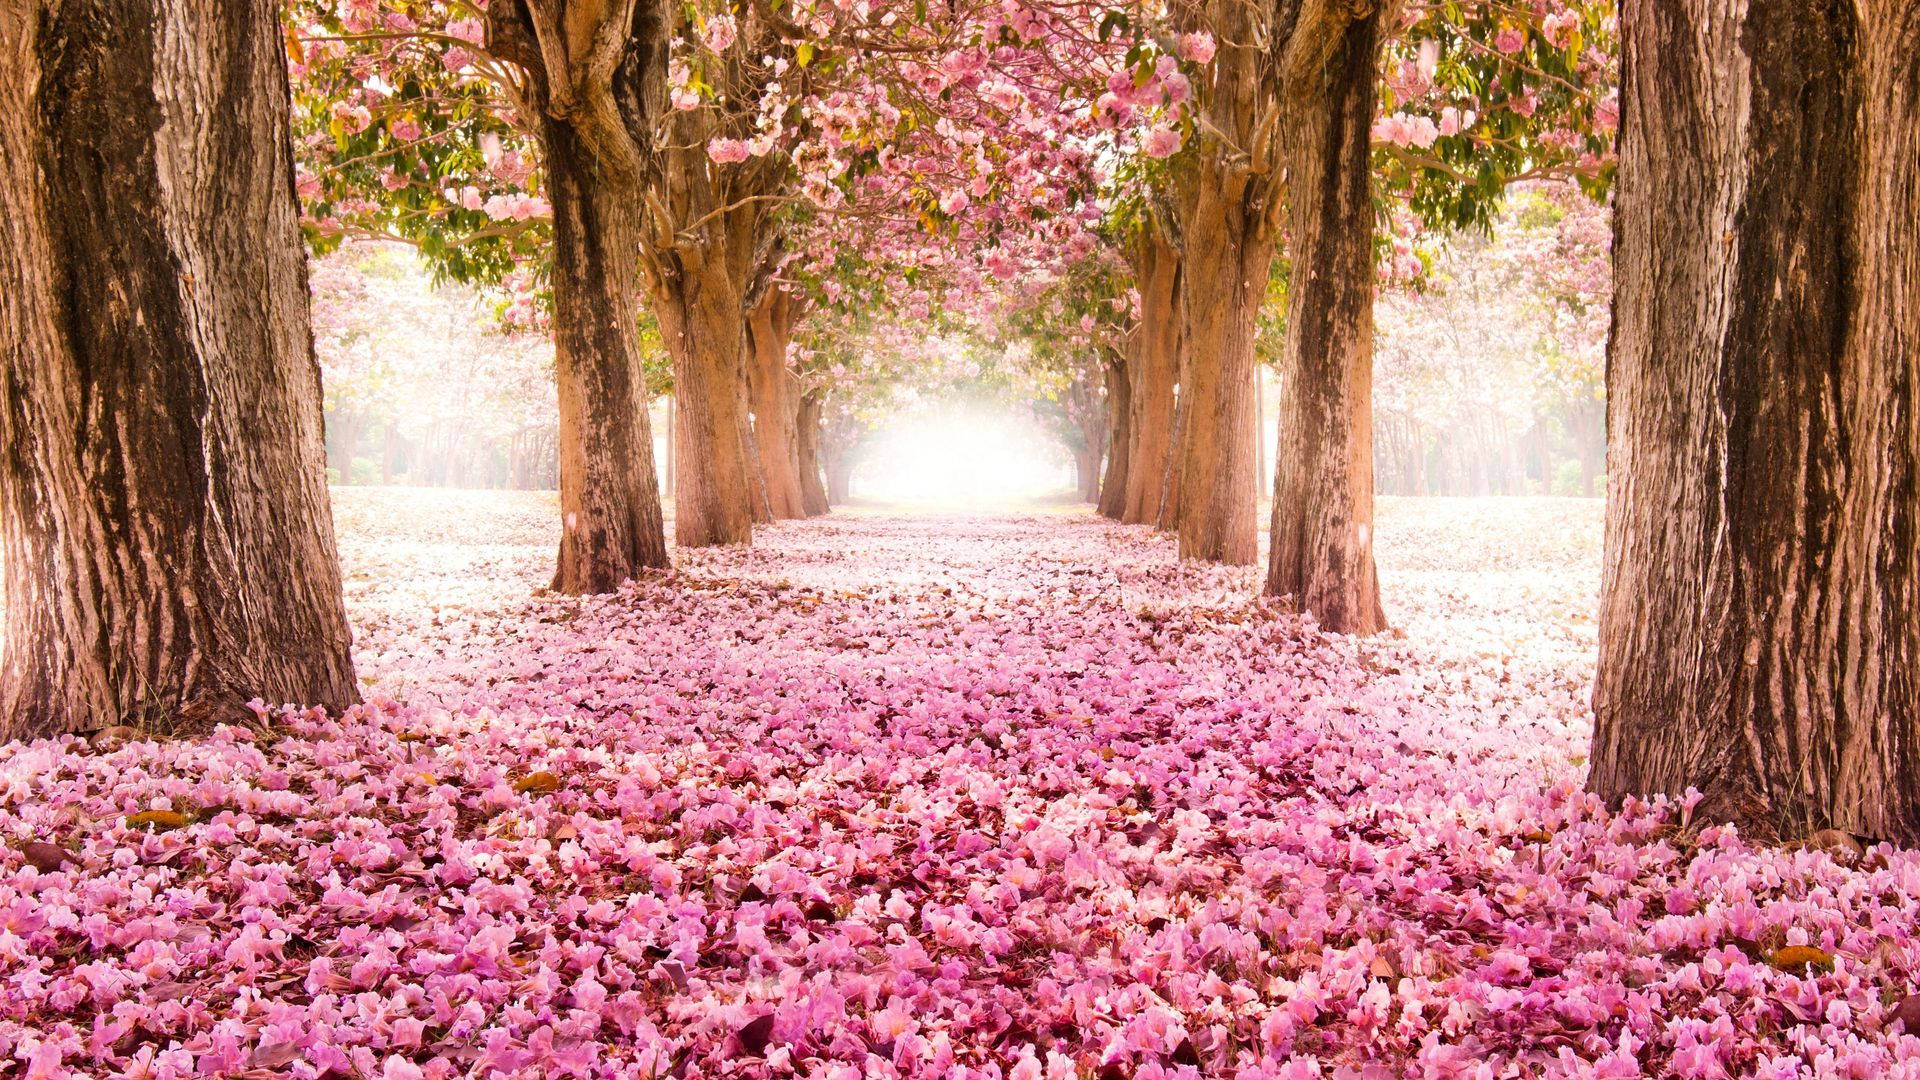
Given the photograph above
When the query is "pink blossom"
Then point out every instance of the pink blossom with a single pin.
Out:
(719, 32)
(726, 151)
(1161, 141)
(1197, 47)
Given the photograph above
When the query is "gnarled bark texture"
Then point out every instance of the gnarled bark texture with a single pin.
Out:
(1760, 616)
(1113, 484)
(1321, 552)
(775, 400)
(164, 522)
(1155, 354)
(593, 80)
(609, 492)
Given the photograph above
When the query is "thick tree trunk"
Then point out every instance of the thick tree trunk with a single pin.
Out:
(1321, 553)
(609, 494)
(776, 402)
(704, 325)
(1760, 616)
(813, 491)
(167, 538)
(1113, 486)
(1223, 282)
(1156, 350)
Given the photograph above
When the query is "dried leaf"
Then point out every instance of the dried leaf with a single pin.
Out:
(1907, 1014)
(754, 1037)
(274, 1055)
(1836, 843)
(108, 738)
(539, 783)
(46, 857)
(156, 820)
(1801, 958)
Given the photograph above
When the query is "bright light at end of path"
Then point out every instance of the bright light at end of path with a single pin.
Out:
(963, 456)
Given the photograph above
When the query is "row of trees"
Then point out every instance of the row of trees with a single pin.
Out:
(167, 539)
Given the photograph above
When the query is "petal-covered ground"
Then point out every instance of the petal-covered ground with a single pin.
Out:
(1013, 796)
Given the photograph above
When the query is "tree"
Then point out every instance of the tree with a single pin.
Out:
(1760, 617)
(169, 551)
(1482, 95)
(587, 76)
(776, 400)
(421, 132)
(1153, 370)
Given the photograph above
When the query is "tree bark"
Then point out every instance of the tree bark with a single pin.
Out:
(704, 324)
(776, 401)
(1120, 434)
(609, 493)
(167, 538)
(813, 491)
(1156, 268)
(1760, 615)
(1224, 270)
(1321, 550)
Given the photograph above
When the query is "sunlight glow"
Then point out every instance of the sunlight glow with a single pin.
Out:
(963, 455)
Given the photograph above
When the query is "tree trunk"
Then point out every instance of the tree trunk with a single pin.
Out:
(813, 492)
(671, 428)
(759, 503)
(609, 495)
(168, 543)
(1157, 359)
(776, 402)
(1223, 281)
(1760, 616)
(1169, 517)
(1321, 554)
(1120, 434)
(704, 325)
(1086, 474)
(839, 479)
(343, 433)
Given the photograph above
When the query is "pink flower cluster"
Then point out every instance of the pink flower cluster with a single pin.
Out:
(1014, 796)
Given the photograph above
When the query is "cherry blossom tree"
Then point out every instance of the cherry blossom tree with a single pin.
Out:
(1273, 131)
(1760, 617)
(168, 543)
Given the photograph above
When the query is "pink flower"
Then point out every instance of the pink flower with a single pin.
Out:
(354, 118)
(727, 151)
(1161, 141)
(719, 33)
(1197, 47)
(1510, 40)
(1606, 113)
